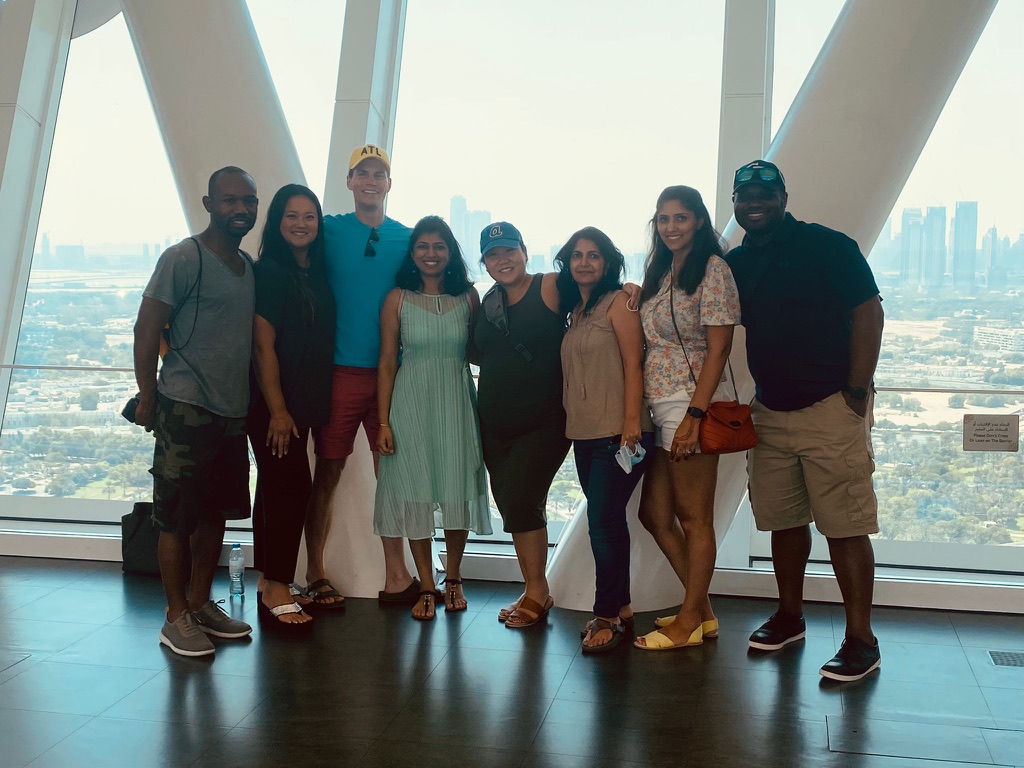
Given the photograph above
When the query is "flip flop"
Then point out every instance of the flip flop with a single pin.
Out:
(656, 641)
(618, 632)
(319, 596)
(528, 605)
(269, 616)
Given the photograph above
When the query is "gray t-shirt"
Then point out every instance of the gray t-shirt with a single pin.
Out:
(211, 368)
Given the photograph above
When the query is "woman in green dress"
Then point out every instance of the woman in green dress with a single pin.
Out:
(431, 467)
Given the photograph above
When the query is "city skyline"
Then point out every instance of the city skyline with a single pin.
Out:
(542, 166)
(473, 221)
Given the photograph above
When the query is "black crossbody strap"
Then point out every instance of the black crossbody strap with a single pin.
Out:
(496, 314)
(195, 317)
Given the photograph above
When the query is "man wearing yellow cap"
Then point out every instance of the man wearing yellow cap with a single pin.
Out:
(363, 252)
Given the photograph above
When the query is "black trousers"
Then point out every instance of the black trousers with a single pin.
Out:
(283, 488)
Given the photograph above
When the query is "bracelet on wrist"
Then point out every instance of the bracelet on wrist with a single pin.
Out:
(385, 425)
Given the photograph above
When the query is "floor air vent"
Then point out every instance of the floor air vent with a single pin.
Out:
(1007, 658)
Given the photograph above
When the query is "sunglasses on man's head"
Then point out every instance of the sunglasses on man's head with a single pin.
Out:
(743, 175)
(370, 251)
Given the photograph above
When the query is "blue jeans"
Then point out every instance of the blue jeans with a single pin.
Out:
(608, 490)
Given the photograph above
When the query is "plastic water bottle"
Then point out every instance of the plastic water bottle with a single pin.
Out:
(236, 570)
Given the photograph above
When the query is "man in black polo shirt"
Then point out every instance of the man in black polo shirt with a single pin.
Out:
(813, 318)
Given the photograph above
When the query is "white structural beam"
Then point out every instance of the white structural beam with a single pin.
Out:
(367, 96)
(34, 40)
(213, 96)
(859, 122)
(748, 65)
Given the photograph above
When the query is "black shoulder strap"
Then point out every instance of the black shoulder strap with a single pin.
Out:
(195, 318)
(496, 314)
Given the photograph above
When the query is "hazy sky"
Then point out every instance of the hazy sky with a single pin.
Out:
(551, 115)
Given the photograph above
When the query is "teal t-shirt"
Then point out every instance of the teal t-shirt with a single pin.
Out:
(360, 283)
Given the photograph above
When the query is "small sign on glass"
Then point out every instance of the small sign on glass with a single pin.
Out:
(991, 432)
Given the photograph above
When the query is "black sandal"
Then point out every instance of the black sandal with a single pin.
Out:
(628, 623)
(450, 595)
(429, 598)
(324, 599)
(618, 632)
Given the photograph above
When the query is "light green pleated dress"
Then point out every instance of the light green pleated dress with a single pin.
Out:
(435, 478)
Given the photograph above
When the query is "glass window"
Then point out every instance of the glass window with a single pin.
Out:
(109, 209)
(579, 120)
(302, 45)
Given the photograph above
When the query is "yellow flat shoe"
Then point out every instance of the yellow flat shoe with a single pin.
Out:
(656, 641)
(710, 627)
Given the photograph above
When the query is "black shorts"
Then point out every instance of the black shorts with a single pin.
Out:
(200, 467)
(521, 469)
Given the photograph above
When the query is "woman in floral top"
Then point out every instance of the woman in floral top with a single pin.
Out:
(689, 306)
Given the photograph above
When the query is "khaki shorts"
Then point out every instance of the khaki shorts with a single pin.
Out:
(814, 464)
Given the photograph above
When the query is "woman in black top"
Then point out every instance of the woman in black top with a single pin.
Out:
(522, 424)
(293, 347)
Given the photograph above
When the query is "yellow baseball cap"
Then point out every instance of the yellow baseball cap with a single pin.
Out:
(368, 152)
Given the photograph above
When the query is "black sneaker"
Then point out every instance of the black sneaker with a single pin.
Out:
(780, 630)
(854, 661)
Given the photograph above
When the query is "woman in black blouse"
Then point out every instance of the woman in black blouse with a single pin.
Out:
(293, 347)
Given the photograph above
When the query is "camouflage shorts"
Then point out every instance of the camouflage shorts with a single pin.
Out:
(200, 467)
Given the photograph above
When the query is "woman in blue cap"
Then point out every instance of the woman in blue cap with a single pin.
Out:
(517, 339)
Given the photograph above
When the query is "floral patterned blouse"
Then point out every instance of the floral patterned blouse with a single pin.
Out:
(715, 302)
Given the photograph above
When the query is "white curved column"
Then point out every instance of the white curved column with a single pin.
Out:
(214, 99)
(847, 146)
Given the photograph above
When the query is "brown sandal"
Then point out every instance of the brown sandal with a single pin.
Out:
(528, 613)
(508, 610)
(428, 597)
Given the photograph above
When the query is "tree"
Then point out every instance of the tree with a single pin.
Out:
(89, 399)
(957, 401)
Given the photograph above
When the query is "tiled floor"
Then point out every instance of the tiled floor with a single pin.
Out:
(85, 684)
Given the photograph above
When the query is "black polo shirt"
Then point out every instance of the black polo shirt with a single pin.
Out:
(796, 293)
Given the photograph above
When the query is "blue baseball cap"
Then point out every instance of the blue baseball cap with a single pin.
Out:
(500, 234)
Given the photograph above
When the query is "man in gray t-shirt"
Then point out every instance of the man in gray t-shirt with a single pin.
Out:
(203, 291)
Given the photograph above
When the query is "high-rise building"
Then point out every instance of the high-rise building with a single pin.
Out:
(990, 248)
(965, 245)
(911, 247)
(934, 255)
(457, 215)
(466, 226)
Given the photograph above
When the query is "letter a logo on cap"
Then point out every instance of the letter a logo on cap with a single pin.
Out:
(495, 231)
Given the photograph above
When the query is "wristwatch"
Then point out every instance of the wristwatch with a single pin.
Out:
(857, 393)
(696, 412)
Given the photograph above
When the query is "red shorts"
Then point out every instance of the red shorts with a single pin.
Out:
(353, 402)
